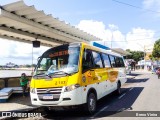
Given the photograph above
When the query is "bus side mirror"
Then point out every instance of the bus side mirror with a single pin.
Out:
(38, 58)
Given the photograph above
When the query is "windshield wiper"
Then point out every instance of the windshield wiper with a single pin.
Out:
(42, 74)
(62, 72)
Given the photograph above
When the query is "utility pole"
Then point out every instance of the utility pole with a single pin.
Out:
(144, 51)
(144, 58)
(111, 37)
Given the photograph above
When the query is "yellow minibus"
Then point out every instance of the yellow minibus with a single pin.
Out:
(76, 74)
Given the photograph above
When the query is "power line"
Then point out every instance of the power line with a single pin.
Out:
(139, 33)
(135, 6)
(135, 40)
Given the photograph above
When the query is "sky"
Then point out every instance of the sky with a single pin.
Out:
(127, 24)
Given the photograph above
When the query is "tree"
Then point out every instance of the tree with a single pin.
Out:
(136, 55)
(156, 50)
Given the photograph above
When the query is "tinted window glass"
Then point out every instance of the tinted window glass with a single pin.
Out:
(113, 64)
(87, 60)
(106, 60)
(119, 62)
(97, 59)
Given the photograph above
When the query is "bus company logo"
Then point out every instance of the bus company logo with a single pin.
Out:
(48, 90)
(6, 114)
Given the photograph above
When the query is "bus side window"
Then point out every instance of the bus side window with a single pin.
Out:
(106, 60)
(117, 62)
(112, 61)
(87, 62)
(97, 59)
(121, 62)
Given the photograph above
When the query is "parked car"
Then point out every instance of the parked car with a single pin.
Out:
(155, 69)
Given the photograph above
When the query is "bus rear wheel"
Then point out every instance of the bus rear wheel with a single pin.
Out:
(118, 91)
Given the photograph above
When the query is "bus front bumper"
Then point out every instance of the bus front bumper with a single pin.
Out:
(73, 97)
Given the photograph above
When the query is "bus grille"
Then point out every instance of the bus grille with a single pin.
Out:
(55, 92)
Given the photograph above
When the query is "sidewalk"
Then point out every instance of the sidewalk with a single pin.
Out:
(133, 75)
(143, 71)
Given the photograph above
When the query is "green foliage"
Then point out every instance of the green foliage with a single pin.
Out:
(136, 55)
(156, 50)
(28, 66)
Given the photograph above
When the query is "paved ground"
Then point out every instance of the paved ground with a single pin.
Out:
(16, 102)
(140, 96)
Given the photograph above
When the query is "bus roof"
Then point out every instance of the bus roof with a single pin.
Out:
(101, 50)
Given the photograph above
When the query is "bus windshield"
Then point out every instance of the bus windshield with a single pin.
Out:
(59, 60)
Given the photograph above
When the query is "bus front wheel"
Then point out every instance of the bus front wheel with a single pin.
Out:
(90, 107)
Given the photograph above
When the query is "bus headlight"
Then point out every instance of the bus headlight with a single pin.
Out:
(33, 90)
(71, 87)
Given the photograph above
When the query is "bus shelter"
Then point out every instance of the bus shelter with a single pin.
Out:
(24, 23)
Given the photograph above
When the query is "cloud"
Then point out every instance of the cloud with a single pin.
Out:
(134, 39)
(113, 27)
(22, 52)
(140, 37)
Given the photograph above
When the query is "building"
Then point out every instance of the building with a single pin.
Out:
(148, 51)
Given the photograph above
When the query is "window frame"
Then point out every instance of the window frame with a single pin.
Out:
(121, 59)
(84, 70)
(111, 61)
(108, 59)
(100, 58)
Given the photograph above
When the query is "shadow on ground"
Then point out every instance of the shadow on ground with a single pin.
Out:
(137, 80)
(115, 104)
(135, 74)
(18, 98)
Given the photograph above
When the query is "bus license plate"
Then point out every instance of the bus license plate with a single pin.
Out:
(47, 96)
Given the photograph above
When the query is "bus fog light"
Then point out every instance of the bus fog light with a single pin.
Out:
(71, 87)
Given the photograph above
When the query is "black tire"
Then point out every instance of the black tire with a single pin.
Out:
(91, 105)
(47, 110)
(118, 91)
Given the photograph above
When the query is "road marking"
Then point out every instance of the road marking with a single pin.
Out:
(137, 84)
(131, 89)
(100, 111)
(121, 96)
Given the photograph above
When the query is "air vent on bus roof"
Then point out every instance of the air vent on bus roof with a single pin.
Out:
(100, 46)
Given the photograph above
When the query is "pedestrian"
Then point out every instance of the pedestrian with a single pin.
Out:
(158, 73)
(24, 82)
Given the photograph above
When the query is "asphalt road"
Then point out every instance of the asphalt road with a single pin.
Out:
(140, 97)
